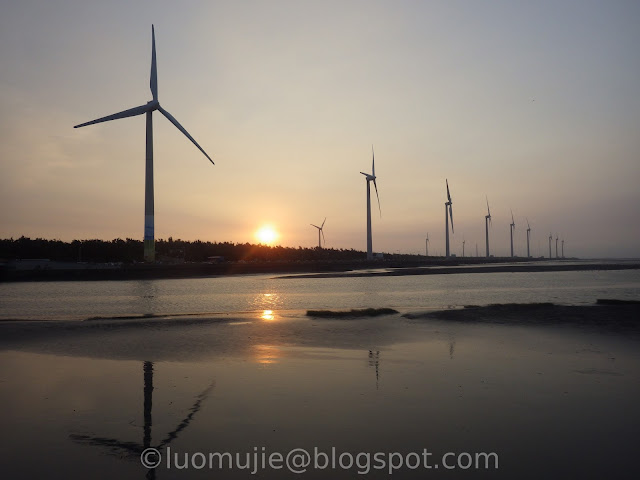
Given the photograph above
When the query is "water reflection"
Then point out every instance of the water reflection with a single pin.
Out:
(132, 450)
(374, 361)
(267, 304)
(146, 292)
(267, 315)
(266, 354)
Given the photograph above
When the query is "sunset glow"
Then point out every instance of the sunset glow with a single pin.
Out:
(267, 235)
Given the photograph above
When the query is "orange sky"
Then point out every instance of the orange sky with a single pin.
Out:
(536, 106)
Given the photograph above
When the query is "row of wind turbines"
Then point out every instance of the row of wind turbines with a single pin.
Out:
(149, 235)
(448, 214)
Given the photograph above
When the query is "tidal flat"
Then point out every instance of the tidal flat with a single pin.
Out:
(550, 399)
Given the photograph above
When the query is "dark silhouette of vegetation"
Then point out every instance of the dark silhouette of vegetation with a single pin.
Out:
(170, 250)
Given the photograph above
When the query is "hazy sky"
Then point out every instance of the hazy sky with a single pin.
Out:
(535, 104)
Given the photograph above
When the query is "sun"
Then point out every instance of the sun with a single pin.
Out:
(267, 235)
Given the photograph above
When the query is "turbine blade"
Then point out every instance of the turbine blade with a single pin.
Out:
(488, 211)
(377, 196)
(314, 226)
(181, 128)
(448, 196)
(132, 112)
(373, 162)
(325, 219)
(451, 215)
(365, 174)
(153, 81)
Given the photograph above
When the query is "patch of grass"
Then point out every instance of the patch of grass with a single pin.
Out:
(363, 312)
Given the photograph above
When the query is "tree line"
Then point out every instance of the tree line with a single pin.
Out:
(130, 251)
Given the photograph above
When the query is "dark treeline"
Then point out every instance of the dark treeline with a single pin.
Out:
(170, 250)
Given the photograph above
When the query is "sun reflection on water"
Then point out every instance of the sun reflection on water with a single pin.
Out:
(267, 304)
(266, 354)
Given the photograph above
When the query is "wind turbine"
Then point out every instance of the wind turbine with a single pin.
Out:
(371, 178)
(427, 244)
(550, 238)
(463, 242)
(562, 248)
(528, 235)
(512, 227)
(556, 245)
(448, 214)
(320, 231)
(148, 109)
(487, 222)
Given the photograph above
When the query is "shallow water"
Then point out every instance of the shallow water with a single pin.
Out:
(81, 300)
(551, 403)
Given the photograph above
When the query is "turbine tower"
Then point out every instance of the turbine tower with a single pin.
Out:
(556, 245)
(427, 244)
(487, 223)
(148, 109)
(320, 231)
(562, 248)
(448, 214)
(463, 242)
(550, 238)
(371, 178)
(528, 235)
(512, 227)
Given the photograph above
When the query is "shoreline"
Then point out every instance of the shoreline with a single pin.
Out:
(290, 270)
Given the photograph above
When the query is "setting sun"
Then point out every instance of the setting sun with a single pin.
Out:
(266, 235)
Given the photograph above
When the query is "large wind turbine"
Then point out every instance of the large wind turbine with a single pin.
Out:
(463, 242)
(556, 245)
(320, 231)
(148, 109)
(550, 238)
(528, 234)
(487, 222)
(512, 227)
(448, 214)
(427, 244)
(371, 178)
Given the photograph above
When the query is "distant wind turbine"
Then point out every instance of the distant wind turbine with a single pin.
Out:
(528, 235)
(512, 227)
(562, 248)
(463, 242)
(371, 178)
(556, 245)
(148, 109)
(427, 244)
(448, 214)
(320, 231)
(550, 238)
(487, 223)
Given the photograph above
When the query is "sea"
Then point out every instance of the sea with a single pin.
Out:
(71, 300)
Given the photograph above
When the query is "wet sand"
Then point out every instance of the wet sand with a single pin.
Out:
(552, 389)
